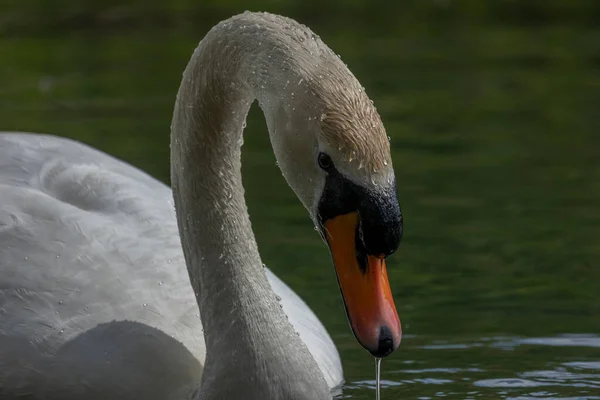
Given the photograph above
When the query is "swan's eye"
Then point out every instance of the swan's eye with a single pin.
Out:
(325, 161)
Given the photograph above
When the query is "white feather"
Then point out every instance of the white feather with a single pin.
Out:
(95, 299)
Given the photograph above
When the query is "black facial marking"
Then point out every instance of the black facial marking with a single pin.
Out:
(379, 230)
(340, 196)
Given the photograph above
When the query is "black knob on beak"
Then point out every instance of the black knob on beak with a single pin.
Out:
(381, 227)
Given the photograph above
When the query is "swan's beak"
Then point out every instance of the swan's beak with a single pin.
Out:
(365, 288)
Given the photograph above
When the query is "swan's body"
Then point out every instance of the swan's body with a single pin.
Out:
(95, 299)
(91, 272)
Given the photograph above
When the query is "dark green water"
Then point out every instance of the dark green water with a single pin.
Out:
(495, 129)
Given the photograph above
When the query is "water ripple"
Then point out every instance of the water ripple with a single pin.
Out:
(507, 383)
(543, 378)
(510, 342)
(550, 376)
(583, 364)
(436, 370)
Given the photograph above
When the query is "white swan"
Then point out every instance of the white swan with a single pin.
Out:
(95, 301)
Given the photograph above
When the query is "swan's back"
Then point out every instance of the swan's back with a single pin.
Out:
(95, 298)
(88, 243)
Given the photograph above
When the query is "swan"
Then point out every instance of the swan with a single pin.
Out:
(96, 301)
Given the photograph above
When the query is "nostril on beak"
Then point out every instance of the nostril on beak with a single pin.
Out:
(386, 342)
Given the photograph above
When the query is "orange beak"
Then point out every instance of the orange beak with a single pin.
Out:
(365, 289)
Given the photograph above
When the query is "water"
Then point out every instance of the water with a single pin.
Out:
(377, 378)
(494, 132)
(498, 367)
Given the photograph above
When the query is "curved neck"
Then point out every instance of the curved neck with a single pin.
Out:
(251, 347)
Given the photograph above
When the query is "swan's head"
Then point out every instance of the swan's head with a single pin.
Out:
(335, 155)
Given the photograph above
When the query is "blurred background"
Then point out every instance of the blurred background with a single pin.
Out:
(493, 109)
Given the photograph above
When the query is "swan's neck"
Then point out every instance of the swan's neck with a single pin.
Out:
(250, 344)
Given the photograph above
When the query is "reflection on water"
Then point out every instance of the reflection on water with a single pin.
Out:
(558, 380)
